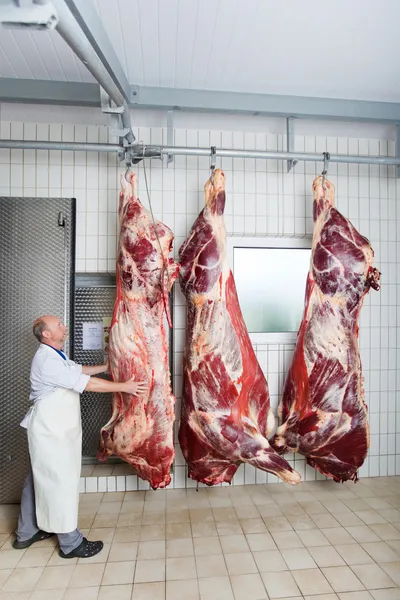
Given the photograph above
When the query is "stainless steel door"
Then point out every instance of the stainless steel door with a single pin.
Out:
(37, 241)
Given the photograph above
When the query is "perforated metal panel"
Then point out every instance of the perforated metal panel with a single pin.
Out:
(91, 305)
(36, 277)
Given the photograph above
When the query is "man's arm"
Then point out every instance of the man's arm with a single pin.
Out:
(136, 388)
(88, 370)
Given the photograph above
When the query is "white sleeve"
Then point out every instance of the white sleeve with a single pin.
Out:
(57, 374)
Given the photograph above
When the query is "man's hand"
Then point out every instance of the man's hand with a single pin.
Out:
(136, 388)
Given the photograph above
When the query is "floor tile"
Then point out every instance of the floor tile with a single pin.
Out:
(206, 529)
(332, 596)
(181, 568)
(177, 516)
(277, 524)
(186, 589)
(370, 516)
(215, 588)
(115, 592)
(326, 556)
(271, 510)
(153, 532)
(381, 552)
(119, 573)
(47, 594)
(83, 593)
(260, 541)
(149, 591)
(89, 575)
(14, 595)
(342, 579)
(211, 566)
(123, 551)
(102, 521)
(232, 544)
(109, 508)
(203, 546)
(4, 575)
(150, 570)
(280, 585)
(337, 535)
(298, 558)
(362, 534)
(312, 581)
(9, 559)
(386, 531)
(395, 545)
(325, 521)
(105, 534)
(248, 587)
(253, 525)
(151, 549)
(35, 557)
(313, 537)
(349, 520)
(241, 563)
(179, 548)
(127, 518)
(287, 539)
(57, 577)
(201, 515)
(231, 528)
(270, 561)
(361, 595)
(125, 534)
(393, 570)
(354, 554)
(386, 594)
(247, 512)
(373, 577)
(301, 522)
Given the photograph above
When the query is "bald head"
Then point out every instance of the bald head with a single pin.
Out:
(50, 330)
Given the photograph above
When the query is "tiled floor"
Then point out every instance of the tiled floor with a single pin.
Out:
(318, 541)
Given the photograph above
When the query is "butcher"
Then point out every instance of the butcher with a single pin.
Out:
(50, 495)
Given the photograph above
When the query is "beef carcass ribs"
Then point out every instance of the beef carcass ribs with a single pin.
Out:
(140, 430)
(226, 414)
(323, 413)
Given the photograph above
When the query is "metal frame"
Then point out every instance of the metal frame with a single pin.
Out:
(80, 26)
(138, 152)
(159, 98)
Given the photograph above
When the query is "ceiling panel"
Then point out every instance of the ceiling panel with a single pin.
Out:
(339, 49)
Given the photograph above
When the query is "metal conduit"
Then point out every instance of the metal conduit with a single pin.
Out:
(139, 151)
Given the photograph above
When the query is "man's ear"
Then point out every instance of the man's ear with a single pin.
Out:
(45, 334)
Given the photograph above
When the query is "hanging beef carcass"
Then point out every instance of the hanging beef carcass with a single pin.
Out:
(226, 414)
(323, 413)
(140, 430)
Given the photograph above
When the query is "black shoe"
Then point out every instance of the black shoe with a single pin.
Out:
(38, 537)
(85, 549)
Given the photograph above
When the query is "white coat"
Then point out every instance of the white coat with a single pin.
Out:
(55, 439)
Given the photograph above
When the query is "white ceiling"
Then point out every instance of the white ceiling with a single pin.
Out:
(338, 49)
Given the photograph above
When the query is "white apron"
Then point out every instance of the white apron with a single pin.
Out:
(55, 447)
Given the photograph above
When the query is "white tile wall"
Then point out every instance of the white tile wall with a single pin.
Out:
(262, 200)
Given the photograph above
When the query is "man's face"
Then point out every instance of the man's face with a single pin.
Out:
(55, 330)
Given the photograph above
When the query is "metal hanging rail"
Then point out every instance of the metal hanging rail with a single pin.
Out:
(138, 152)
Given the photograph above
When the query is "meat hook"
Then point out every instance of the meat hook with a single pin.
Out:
(128, 168)
(327, 158)
(212, 163)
